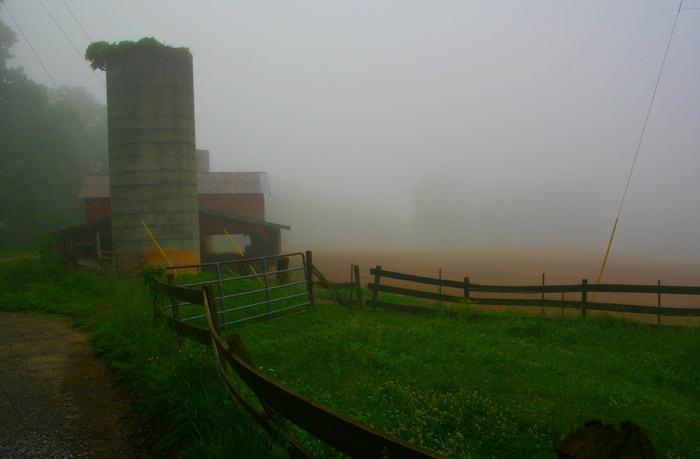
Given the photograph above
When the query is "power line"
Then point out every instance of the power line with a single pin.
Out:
(639, 145)
(82, 127)
(651, 104)
(72, 44)
(76, 20)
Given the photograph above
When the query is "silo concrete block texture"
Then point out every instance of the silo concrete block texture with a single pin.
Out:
(152, 159)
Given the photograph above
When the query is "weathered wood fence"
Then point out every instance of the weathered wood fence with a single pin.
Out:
(351, 437)
(467, 289)
(354, 287)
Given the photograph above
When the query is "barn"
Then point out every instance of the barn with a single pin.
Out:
(229, 202)
(160, 204)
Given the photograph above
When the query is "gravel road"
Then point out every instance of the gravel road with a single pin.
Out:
(56, 399)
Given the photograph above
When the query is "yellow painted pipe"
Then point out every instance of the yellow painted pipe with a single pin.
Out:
(605, 259)
(243, 256)
(158, 245)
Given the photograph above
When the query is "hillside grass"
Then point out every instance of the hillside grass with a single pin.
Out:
(507, 385)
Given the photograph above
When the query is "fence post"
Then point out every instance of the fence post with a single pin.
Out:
(658, 303)
(358, 286)
(562, 304)
(352, 279)
(310, 277)
(375, 293)
(266, 278)
(584, 297)
(220, 284)
(283, 265)
(543, 310)
(466, 288)
(211, 302)
(176, 309)
(173, 301)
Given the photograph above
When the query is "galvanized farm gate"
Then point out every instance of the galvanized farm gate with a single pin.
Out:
(254, 288)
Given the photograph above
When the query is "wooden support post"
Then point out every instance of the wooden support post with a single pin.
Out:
(375, 293)
(358, 286)
(236, 346)
(342, 300)
(584, 297)
(310, 277)
(466, 288)
(211, 303)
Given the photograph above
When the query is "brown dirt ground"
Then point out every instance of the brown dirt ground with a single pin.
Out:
(58, 400)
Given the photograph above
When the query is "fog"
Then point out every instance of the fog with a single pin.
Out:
(430, 124)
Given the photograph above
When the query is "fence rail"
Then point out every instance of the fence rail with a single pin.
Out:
(583, 304)
(341, 432)
(118, 265)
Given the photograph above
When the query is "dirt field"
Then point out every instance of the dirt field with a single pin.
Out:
(517, 267)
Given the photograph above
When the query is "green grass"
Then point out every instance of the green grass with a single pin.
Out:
(509, 386)
(180, 395)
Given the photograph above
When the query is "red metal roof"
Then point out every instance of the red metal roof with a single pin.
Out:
(97, 186)
(233, 183)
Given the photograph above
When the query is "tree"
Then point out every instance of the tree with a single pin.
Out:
(44, 152)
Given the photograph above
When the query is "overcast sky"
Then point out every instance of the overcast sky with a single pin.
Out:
(509, 123)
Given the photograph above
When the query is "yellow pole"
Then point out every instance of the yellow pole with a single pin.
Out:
(234, 243)
(605, 259)
(241, 254)
(158, 245)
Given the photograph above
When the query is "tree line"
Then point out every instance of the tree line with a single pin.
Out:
(49, 141)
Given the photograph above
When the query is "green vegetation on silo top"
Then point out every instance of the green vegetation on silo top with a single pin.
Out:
(99, 52)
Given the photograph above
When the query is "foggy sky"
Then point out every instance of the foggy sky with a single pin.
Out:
(448, 123)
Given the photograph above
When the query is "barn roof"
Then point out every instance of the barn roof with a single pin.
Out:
(97, 186)
(233, 183)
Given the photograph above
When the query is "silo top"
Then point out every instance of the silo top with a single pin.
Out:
(150, 95)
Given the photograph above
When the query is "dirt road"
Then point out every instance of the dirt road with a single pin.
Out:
(56, 399)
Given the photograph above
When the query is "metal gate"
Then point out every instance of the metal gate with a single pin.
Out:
(254, 288)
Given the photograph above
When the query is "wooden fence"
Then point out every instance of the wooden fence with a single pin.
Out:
(467, 288)
(351, 437)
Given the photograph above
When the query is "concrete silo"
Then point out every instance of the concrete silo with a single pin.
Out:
(152, 160)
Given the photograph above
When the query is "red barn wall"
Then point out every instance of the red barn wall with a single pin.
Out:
(246, 204)
(96, 208)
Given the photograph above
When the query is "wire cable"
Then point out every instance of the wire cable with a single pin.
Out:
(82, 127)
(639, 144)
(651, 104)
(82, 57)
(76, 20)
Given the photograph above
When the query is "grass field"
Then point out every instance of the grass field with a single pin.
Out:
(509, 386)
